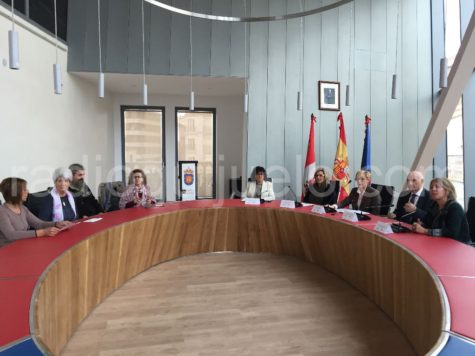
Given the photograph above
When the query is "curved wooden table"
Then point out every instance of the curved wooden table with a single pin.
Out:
(412, 278)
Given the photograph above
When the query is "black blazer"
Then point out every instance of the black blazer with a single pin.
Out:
(450, 221)
(46, 209)
(86, 204)
(370, 202)
(328, 196)
(424, 205)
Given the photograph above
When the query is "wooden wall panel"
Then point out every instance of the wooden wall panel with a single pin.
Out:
(91, 35)
(257, 127)
(202, 40)
(275, 145)
(160, 41)
(409, 70)
(116, 49)
(238, 40)
(312, 69)
(378, 92)
(180, 41)
(220, 61)
(292, 128)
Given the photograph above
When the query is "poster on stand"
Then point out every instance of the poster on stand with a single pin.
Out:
(188, 180)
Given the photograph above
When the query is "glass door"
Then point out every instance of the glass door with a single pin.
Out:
(195, 139)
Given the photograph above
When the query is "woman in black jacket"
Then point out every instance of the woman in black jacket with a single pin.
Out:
(363, 197)
(321, 191)
(447, 218)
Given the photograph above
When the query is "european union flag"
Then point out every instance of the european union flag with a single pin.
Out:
(366, 160)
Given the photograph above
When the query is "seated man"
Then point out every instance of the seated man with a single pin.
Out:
(86, 203)
(260, 188)
(415, 202)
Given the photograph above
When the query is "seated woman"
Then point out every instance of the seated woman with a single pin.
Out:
(447, 217)
(260, 188)
(321, 191)
(363, 197)
(16, 221)
(137, 192)
(59, 204)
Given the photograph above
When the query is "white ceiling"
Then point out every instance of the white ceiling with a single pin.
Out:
(171, 85)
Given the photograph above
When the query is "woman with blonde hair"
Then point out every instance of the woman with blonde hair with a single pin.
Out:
(321, 192)
(447, 218)
(363, 197)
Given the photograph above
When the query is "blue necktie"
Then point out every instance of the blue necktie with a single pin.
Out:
(413, 198)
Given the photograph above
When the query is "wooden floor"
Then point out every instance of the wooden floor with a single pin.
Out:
(237, 304)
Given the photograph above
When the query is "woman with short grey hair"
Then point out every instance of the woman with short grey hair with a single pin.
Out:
(59, 204)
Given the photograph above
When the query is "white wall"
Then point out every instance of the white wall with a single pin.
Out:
(41, 131)
(229, 132)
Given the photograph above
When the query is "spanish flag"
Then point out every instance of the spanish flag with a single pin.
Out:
(341, 168)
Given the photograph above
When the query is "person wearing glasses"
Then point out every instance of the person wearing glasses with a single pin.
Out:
(321, 192)
(137, 192)
(260, 188)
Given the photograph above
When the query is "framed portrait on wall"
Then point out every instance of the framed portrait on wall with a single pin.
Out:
(328, 95)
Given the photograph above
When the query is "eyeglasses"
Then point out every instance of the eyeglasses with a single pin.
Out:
(137, 177)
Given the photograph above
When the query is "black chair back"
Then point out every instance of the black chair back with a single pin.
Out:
(387, 196)
(235, 188)
(335, 189)
(109, 195)
(34, 201)
(471, 217)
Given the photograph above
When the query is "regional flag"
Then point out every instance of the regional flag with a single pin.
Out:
(366, 160)
(310, 162)
(341, 167)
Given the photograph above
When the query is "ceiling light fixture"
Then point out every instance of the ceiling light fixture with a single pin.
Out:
(248, 19)
(13, 43)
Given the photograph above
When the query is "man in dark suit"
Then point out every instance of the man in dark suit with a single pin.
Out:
(413, 203)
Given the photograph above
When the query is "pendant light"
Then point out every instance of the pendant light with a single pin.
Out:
(394, 82)
(299, 93)
(444, 67)
(145, 88)
(347, 91)
(13, 43)
(100, 89)
(246, 79)
(192, 94)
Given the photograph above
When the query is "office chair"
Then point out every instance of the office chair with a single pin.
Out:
(109, 195)
(34, 201)
(470, 214)
(387, 195)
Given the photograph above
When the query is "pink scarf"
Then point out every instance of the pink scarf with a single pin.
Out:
(58, 207)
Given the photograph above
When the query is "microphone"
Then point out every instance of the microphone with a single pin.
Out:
(403, 216)
(397, 227)
(297, 203)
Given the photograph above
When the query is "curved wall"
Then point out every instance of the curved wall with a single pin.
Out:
(385, 272)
